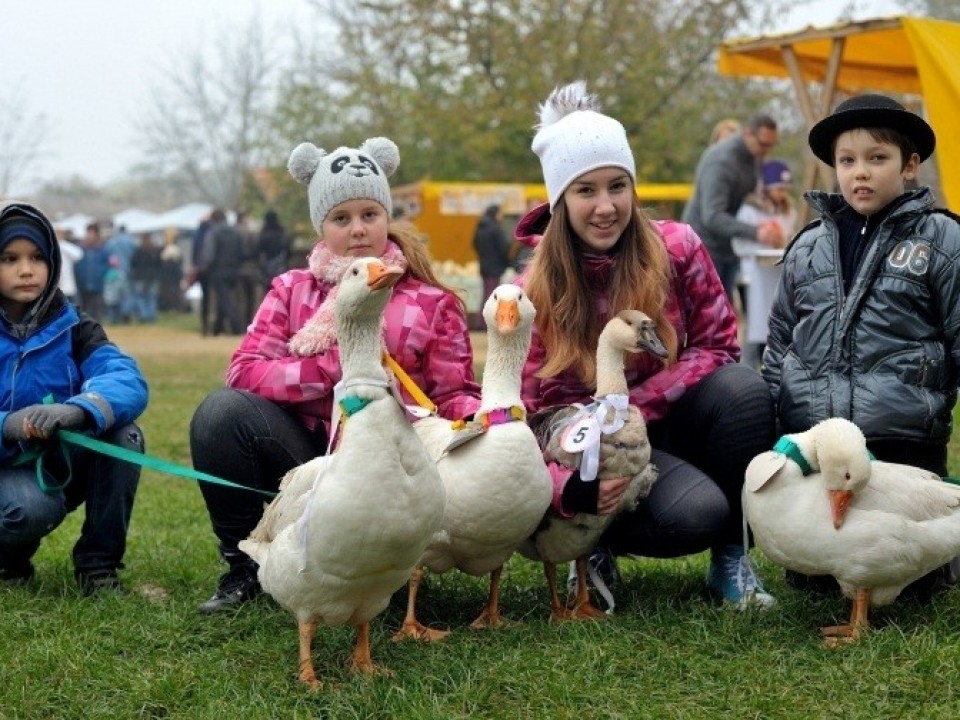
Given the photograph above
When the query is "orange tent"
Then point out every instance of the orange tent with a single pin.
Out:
(895, 55)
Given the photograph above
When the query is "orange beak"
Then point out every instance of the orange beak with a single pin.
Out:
(839, 502)
(508, 315)
(381, 276)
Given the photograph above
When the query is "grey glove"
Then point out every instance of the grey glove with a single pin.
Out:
(47, 418)
(41, 421)
(13, 426)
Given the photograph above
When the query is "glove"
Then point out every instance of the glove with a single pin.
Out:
(14, 426)
(41, 421)
(579, 496)
(47, 418)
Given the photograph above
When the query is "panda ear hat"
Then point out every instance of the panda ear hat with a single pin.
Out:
(574, 137)
(344, 174)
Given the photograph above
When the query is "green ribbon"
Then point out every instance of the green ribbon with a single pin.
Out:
(788, 447)
(68, 437)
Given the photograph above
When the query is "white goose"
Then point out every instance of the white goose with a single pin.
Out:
(818, 505)
(625, 452)
(346, 530)
(497, 485)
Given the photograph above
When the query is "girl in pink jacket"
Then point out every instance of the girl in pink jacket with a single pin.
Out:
(707, 416)
(276, 410)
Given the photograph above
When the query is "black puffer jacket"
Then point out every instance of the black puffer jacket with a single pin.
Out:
(885, 356)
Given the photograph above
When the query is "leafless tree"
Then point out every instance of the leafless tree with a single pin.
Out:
(22, 137)
(208, 123)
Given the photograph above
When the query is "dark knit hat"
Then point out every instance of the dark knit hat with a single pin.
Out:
(870, 111)
(23, 226)
(776, 172)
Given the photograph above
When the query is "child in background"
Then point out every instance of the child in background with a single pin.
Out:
(866, 322)
(48, 349)
(114, 286)
(758, 261)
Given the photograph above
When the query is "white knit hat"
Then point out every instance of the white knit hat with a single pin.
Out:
(573, 138)
(344, 174)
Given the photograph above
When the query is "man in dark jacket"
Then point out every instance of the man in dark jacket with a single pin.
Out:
(728, 171)
(224, 251)
(490, 242)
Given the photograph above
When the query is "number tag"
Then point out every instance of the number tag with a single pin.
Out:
(417, 411)
(581, 434)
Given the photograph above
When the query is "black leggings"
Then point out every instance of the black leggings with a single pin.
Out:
(243, 438)
(701, 450)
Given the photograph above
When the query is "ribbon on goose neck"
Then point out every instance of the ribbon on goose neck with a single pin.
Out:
(339, 395)
(605, 416)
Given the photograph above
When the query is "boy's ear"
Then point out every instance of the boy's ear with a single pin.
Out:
(911, 167)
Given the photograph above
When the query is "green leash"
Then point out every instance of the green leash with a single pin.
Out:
(69, 437)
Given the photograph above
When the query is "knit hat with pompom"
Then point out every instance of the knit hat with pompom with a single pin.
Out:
(573, 138)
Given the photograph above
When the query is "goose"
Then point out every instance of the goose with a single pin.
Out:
(818, 505)
(496, 483)
(347, 529)
(621, 452)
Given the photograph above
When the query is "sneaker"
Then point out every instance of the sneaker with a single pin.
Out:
(602, 575)
(97, 581)
(237, 586)
(731, 578)
(18, 574)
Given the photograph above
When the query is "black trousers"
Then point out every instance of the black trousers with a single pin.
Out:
(251, 441)
(701, 450)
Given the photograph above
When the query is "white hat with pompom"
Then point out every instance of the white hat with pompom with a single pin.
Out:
(573, 138)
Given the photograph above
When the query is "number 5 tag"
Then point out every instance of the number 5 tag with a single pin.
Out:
(581, 435)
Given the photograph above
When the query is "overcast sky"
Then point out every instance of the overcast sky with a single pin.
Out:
(86, 65)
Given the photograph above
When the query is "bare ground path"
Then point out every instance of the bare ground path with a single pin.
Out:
(154, 340)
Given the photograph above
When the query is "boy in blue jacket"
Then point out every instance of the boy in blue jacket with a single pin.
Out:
(49, 351)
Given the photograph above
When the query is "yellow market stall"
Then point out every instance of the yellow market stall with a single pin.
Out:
(899, 55)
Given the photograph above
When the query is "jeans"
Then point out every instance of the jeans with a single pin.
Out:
(143, 299)
(701, 450)
(251, 441)
(105, 485)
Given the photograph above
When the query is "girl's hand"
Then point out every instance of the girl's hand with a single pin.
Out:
(611, 492)
(770, 233)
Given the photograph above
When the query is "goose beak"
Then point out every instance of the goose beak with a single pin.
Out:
(650, 341)
(381, 276)
(508, 315)
(839, 502)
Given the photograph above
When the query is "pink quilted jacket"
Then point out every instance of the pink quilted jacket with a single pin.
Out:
(426, 333)
(699, 310)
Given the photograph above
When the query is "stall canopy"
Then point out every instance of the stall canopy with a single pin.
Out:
(900, 55)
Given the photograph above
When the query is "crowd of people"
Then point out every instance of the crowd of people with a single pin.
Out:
(119, 278)
(861, 322)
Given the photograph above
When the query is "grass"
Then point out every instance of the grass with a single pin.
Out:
(666, 653)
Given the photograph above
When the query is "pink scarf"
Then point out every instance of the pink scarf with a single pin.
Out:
(318, 334)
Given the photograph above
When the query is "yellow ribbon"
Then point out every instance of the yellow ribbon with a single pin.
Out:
(411, 387)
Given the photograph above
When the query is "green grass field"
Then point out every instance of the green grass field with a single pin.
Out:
(666, 653)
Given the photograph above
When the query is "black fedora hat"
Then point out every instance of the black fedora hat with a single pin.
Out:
(870, 111)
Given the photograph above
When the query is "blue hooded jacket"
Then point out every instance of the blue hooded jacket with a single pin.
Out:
(57, 351)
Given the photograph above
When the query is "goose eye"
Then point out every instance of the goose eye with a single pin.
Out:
(356, 272)
(846, 476)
